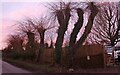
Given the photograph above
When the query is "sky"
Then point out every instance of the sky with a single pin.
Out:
(15, 10)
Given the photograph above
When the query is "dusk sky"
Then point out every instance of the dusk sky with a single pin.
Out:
(17, 10)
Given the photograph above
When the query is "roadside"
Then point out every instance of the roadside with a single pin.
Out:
(30, 66)
(8, 68)
(47, 68)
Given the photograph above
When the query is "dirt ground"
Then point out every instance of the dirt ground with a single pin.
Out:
(110, 69)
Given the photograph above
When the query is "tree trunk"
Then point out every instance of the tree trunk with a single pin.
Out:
(73, 36)
(88, 27)
(63, 20)
(31, 44)
(41, 49)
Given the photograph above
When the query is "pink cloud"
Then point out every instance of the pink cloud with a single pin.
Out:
(8, 20)
(27, 11)
(6, 28)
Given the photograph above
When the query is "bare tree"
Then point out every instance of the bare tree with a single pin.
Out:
(15, 42)
(39, 25)
(15, 46)
(61, 11)
(74, 45)
(107, 24)
(25, 27)
(63, 14)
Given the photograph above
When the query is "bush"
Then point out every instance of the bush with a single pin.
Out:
(15, 55)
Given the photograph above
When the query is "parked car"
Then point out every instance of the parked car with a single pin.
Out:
(117, 59)
(118, 56)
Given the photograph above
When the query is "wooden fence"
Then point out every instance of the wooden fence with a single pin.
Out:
(88, 56)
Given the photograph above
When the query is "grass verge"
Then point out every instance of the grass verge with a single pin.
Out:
(33, 67)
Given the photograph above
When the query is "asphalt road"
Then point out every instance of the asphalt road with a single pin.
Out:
(8, 68)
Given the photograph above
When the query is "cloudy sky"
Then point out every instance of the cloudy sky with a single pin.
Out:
(15, 11)
(12, 11)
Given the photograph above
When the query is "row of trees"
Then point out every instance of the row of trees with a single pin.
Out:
(104, 22)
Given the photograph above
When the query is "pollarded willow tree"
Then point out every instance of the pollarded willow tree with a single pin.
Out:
(25, 27)
(74, 45)
(40, 26)
(62, 12)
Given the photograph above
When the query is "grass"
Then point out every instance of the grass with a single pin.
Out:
(47, 68)
(33, 67)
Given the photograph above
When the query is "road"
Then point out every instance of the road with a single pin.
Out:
(8, 68)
